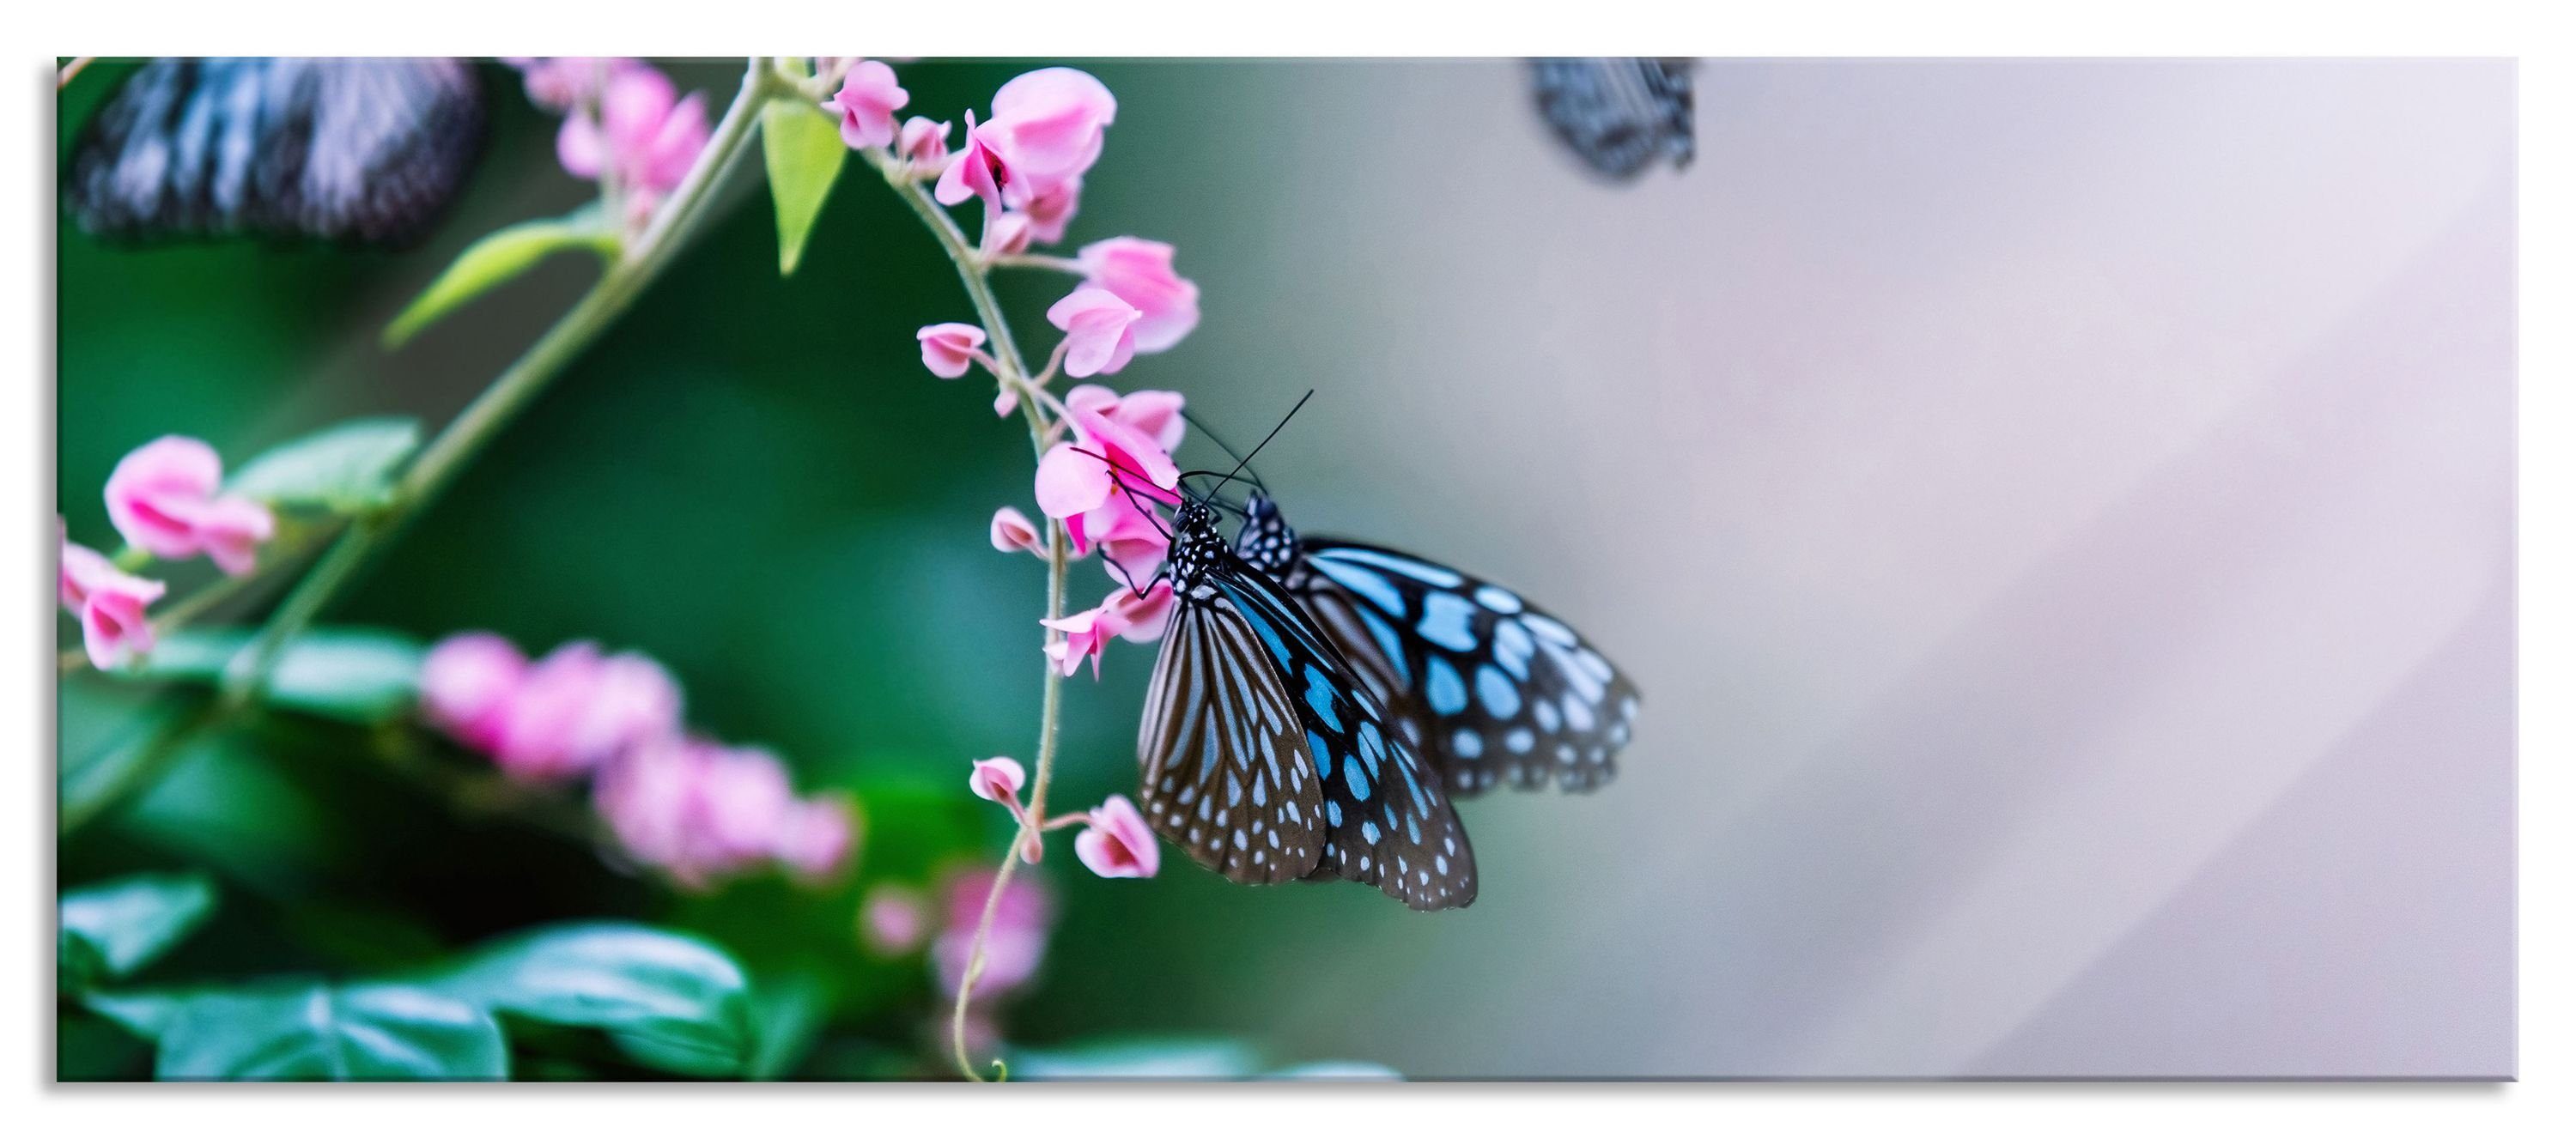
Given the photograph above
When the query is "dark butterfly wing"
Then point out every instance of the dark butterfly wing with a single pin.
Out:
(1495, 690)
(359, 150)
(1617, 115)
(1228, 776)
(1385, 819)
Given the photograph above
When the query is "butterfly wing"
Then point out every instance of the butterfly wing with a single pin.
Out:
(1491, 688)
(1384, 818)
(1617, 115)
(366, 150)
(1227, 773)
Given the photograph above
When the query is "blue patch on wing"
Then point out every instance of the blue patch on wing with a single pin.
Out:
(1373, 586)
(1389, 644)
(1419, 571)
(1441, 686)
(1445, 619)
(1501, 698)
(1319, 696)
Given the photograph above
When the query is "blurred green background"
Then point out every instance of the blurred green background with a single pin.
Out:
(752, 480)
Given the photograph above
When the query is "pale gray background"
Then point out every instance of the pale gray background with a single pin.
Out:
(2060, 514)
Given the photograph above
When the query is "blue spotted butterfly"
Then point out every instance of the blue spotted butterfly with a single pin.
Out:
(1488, 687)
(1265, 754)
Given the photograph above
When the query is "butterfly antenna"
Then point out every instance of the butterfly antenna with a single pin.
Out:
(1246, 461)
(1230, 452)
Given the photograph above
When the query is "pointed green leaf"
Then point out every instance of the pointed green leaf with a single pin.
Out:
(306, 1030)
(111, 930)
(362, 676)
(804, 149)
(668, 1000)
(344, 469)
(501, 256)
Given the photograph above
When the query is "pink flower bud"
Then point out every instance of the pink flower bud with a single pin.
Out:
(949, 349)
(1051, 212)
(1139, 272)
(998, 779)
(816, 838)
(466, 683)
(922, 142)
(575, 709)
(1006, 236)
(162, 497)
(1012, 531)
(1099, 331)
(110, 604)
(1118, 844)
(867, 101)
(1047, 129)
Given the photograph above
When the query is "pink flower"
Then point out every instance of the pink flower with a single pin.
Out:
(867, 101)
(949, 349)
(1136, 432)
(1047, 129)
(1005, 236)
(1122, 614)
(575, 709)
(644, 136)
(562, 83)
(1050, 212)
(1139, 272)
(162, 497)
(1012, 531)
(110, 604)
(975, 173)
(1016, 945)
(696, 810)
(922, 142)
(891, 921)
(998, 779)
(1143, 617)
(466, 684)
(1099, 331)
(815, 839)
(1118, 844)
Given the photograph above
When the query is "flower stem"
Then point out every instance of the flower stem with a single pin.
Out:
(464, 438)
(975, 273)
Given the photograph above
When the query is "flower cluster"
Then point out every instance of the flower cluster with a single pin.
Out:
(166, 499)
(625, 126)
(696, 810)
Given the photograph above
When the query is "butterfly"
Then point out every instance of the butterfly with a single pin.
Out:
(1487, 686)
(1617, 115)
(1267, 757)
(356, 150)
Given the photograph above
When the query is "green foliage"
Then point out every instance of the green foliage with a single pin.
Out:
(804, 152)
(345, 469)
(361, 676)
(312, 1030)
(112, 930)
(499, 257)
(667, 1000)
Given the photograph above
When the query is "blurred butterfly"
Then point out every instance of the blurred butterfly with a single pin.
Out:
(354, 150)
(1484, 684)
(1617, 115)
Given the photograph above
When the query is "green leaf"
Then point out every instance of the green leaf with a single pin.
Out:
(344, 469)
(804, 150)
(306, 1030)
(502, 255)
(362, 676)
(667, 1000)
(1150, 1058)
(788, 1009)
(111, 930)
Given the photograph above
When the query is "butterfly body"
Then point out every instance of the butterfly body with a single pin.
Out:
(1489, 688)
(1268, 758)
